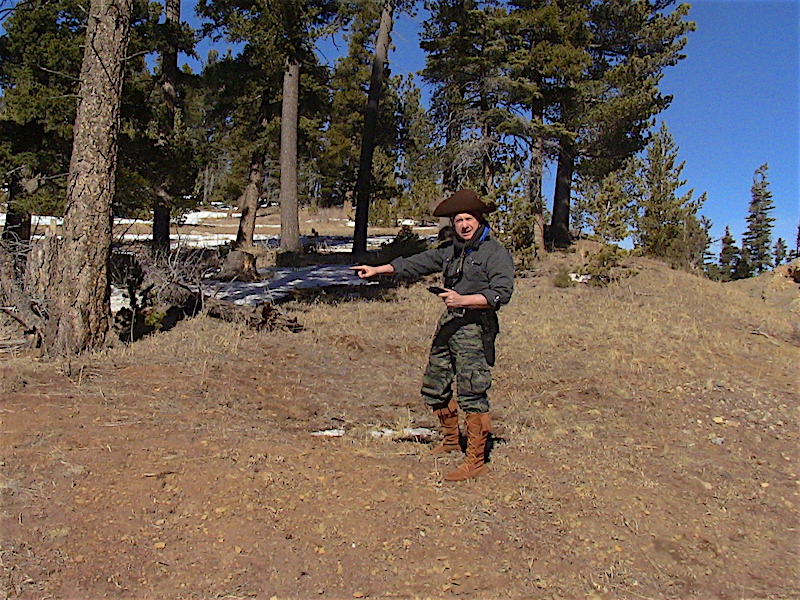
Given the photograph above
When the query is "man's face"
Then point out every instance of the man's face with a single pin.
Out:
(466, 225)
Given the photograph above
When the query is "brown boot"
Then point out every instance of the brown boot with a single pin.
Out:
(478, 427)
(448, 418)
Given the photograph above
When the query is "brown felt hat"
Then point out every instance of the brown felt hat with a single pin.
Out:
(463, 201)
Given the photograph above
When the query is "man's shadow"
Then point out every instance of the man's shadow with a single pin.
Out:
(491, 441)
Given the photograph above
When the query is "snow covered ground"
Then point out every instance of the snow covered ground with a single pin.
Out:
(277, 287)
(278, 283)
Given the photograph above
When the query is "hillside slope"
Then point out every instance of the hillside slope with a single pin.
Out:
(645, 446)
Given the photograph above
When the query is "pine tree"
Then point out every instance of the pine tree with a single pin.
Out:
(419, 163)
(667, 226)
(607, 208)
(729, 255)
(465, 62)
(743, 267)
(758, 236)
(338, 160)
(779, 252)
(608, 110)
(39, 68)
(279, 39)
(78, 303)
(159, 144)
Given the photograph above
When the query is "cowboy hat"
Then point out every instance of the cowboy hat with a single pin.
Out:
(463, 201)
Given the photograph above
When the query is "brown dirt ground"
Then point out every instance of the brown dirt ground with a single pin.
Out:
(646, 446)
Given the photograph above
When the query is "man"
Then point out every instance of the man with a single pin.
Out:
(478, 277)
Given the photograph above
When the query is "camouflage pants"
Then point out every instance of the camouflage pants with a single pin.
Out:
(458, 358)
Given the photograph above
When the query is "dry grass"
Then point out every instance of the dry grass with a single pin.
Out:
(645, 446)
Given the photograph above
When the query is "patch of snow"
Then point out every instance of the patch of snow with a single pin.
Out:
(577, 278)
(119, 300)
(282, 282)
(278, 286)
(195, 218)
(37, 220)
(409, 433)
(329, 433)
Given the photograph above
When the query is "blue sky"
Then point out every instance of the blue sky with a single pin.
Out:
(736, 105)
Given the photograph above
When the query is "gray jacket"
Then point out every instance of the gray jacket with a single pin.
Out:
(488, 270)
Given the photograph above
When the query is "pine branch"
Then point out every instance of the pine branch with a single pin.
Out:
(59, 73)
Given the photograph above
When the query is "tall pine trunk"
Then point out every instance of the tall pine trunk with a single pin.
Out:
(536, 175)
(364, 181)
(169, 89)
(290, 220)
(79, 300)
(453, 131)
(558, 232)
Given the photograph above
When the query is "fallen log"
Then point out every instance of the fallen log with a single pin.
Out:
(262, 317)
(185, 302)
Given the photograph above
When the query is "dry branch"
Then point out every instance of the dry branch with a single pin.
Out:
(263, 317)
(20, 305)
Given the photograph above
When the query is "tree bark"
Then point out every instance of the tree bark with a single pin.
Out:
(290, 220)
(535, 194)
(241, 264)
(558, 232)
(364, 181)
(248, 202)
(161, 218)
(452, 138)
(78, 303)
(169, 89)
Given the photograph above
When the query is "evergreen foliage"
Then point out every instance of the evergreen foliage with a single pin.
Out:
(40, 59)
(607, 207)
(780, 251)
(516, 86)
(796, 252)
(41, 53)
(397, 138)
(159, 144)
(667, 224)
(729, 256)
(466, 56)
(757, 238)
(742, 266)
(521, 83)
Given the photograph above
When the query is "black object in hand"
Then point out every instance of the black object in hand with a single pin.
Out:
(435, 289)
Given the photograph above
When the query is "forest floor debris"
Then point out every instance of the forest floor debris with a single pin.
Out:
(182, 466)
